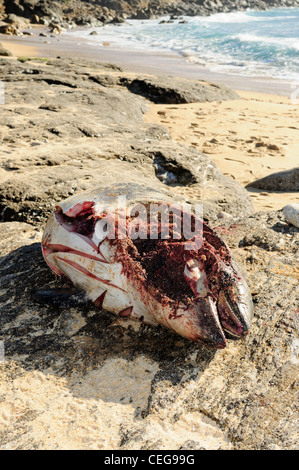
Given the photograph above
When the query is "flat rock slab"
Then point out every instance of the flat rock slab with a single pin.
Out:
(68, 124)
(123, 385)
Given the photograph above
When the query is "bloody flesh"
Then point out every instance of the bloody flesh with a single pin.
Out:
(159, 263)
(83, 223)
(164, 264)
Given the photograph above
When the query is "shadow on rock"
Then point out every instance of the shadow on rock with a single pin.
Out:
(62, 332)
(75, 370)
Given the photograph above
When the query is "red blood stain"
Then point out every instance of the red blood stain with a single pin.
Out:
(99, 301)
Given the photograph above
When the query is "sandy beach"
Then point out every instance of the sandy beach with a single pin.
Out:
(136, 61)
(247, 138)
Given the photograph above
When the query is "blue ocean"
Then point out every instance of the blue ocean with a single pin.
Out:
(249, 43)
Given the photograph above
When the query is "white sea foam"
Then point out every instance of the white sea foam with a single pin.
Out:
(291, 42)
(233, 17)
(247, 43)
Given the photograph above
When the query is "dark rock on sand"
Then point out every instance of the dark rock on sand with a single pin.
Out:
(281, 181)
(170, 90)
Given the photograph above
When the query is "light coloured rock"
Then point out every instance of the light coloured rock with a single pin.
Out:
(171, 90)
(75, 376)
(291, 213)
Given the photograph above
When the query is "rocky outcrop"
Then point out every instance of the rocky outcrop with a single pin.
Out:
(99, 12)
(77, 126)
(104, 382)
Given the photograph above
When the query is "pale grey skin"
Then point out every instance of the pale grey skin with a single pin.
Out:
(92, 264)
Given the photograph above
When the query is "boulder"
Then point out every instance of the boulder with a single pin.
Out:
(280, 181)
(291, 213)
(9, 29)
(17, 21)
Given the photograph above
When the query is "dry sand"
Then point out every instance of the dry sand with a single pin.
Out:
(21, 50)
(247, 139)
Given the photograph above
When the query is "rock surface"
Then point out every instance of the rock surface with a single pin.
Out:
(291, 213)
(76, 125)
(280, 181)
(77, 377)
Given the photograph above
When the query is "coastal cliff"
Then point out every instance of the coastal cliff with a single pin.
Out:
(72, 13)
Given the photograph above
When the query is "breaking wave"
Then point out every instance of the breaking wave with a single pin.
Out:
(248, 43)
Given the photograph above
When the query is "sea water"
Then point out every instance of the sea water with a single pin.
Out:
(252, 43)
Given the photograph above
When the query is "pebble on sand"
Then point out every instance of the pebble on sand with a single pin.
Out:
(291, 213)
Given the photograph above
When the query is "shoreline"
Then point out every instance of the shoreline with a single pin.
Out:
(231, 132)
(137, 61)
